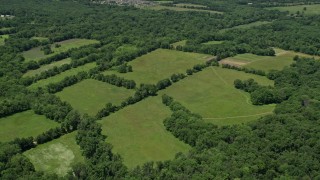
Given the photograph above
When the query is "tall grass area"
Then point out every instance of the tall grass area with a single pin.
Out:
(24, 124)
(56, 156)
(89, 96)
(305, 9)
(36, 53)
(47, 67)
(160, 64)
(211, 94)
(61, 76)
(137, 133)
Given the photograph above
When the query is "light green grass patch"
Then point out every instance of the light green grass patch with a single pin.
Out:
(125, 49)
(61, 76)
(179, 43)
(41, 39)
(160, 7)
(161, 64)
(247, 26)
(137, 133)
(213, 42)
(47, 67)
(3, 38)
(211, 94)
(37, 54)
(89, 96)
(310, 9)
(24, 124)
(190, 5)
(56, 156)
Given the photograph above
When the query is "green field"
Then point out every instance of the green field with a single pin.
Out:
(247, 26)
(282, 59)
(61, 76)
(2, 39)
(213, 42)
(47, 67)
(137, 133)
(190, 5)
(40, 38)
(211, 94)
(179, 43)
(310, 9)
(161, 64)
(56, 156)
(160, 7)
(89, 96)
(24, 124)
(37, 54)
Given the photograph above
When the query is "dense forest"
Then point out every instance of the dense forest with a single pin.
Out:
(284, 145)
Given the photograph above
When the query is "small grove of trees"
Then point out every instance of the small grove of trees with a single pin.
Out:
(124, 68)
(115, 80)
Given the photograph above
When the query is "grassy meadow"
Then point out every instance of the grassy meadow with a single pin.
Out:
(137, 133)
(47, 67)
(2, 39)
(247, 26)
(310, 9)
(211, 94)
(180, 8)
(37, 54)
(213, 42)
(56, 156)
(61, 76)
(160, 64)
(89, 96)
(24, 124)
(179, 43)
(282, 59)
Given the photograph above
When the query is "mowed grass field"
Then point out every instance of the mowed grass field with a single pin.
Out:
(2, 39)
(282, 59)
(56, 156)
(59, 77)
(247, 26)
(213, 42)
(47, 67)
(24, 124)
(310, 9)
(37, 54)
(89, 96)
(211, 94)
(161, 64)
(137, 133)
(177, 8)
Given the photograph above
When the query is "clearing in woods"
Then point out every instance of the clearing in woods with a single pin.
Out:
(177, 8)
(36, 53)
(47, 67)
(179, 43)
(2, 39)
(305, 9)
(161, 64)
(94, 95)
(213, 42)
(247, 26)
(61, 76)
(56, 156)
(137, 133)
(282, 59)
(211, 94)
(24, 124)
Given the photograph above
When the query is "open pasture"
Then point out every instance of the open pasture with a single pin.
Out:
(24, 124)
(137, 133)
(211, 94)
(56, 156)
(89, 96)
(213, 42)
(37, 54)
(47, 67)
(306, 9)
(3, 38)
(180, 8)
(282, 59)
(61, 76)
(161, 64)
